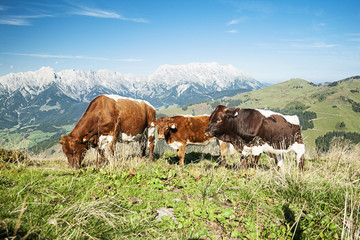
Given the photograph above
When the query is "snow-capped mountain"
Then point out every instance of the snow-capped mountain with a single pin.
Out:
(45, 96)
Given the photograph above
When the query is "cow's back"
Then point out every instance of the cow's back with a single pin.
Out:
(190, 129)
(279, 132)
(99, 110)
(133, 116)
(197, 126)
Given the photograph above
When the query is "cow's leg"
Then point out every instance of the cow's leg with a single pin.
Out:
(112, 146)
(279, 160)
(301, 162)
(223, 151)
(151, 142)
(181, 154)
(77, 163)
(143, 146)
(256, 160)
(245, 156)
(299, 149)
(245, 159)
(102, 157)
(106, 142)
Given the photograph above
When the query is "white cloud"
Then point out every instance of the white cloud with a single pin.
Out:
(20, 20)
(98, 13)
(232, 31)
(313, 45)
(73, 57)
(236, 21)
(14, 21)
(354, 37)
(24, 20)
(91, 12)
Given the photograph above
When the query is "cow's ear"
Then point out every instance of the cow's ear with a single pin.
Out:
(62, 139)
(232, 113)
(172, 125)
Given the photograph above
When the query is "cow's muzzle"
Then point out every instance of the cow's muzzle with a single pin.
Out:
(208, 134)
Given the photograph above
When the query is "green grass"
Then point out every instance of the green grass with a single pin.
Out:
(43, 199)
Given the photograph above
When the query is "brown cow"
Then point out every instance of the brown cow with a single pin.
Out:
(254, 131)
(180, 131)
(108, 119)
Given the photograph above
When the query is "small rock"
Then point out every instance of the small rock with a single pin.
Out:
(165, 212)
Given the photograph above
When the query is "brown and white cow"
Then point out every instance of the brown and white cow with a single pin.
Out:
(180, 131)
(108, 119)
(254, 131)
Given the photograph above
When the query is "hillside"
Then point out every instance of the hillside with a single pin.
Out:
(334, 103)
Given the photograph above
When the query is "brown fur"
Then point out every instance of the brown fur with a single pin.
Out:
(185, 130)
(104, 116)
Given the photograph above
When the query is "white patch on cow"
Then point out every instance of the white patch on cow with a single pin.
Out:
(151, 133)
(173, 126)
(104, 141)
(129, 138)
(203, 115)
(117, 97)
(298, 148)
(246, 151)
(236, 114)
(152, 124)
(175, 145)
(255, 150)
(291, 119)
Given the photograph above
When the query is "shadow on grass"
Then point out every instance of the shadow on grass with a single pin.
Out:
(191, 157)
(289, 216)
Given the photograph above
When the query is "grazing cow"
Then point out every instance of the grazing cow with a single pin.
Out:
(254, 131)
(108, 119)
(180, 131)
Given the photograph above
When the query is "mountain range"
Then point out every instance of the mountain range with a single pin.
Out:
(45, 99)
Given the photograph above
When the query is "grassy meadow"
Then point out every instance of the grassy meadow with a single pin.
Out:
(130, 198)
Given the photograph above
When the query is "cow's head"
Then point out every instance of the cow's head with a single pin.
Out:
(218, 122)
(165, 126)
(74, 150)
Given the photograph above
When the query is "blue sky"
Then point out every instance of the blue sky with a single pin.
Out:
(272, 40)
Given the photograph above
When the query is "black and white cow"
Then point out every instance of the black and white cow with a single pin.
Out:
(254, 131)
